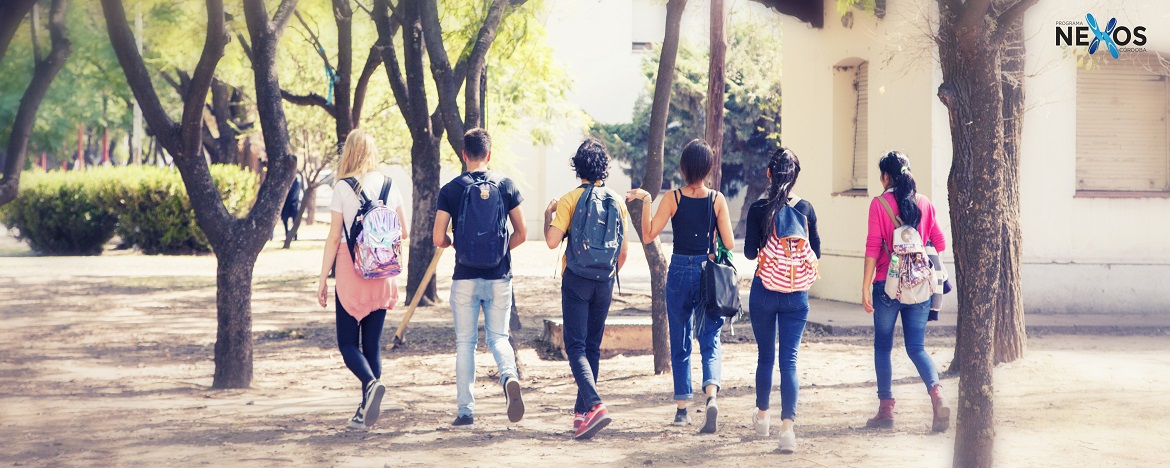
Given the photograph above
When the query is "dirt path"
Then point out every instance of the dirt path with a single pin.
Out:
(110, 365)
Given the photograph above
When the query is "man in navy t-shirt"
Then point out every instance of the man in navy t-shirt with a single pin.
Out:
(486, 287)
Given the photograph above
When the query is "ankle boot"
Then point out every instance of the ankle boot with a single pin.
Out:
(942, 412)
(885, 415)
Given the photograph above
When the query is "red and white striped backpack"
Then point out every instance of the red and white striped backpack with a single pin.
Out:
(787, 261)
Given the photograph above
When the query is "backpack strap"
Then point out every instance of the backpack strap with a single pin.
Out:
(895, 219)
(385, 189)
(710, 215)
(362, 201)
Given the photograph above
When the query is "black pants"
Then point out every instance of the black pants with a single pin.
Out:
(584, 307)
(360, 343)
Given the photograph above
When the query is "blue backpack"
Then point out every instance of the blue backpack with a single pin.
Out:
(595, 236)
(481, 237)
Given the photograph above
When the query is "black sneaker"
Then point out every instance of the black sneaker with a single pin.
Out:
(681, 418)
(712, 413)
(465, 421)
(372, 405)
(515, 400)
(357, 422)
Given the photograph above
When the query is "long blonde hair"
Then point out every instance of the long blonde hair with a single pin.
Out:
(358, 156)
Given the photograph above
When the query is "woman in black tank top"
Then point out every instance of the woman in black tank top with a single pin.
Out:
(696, 215)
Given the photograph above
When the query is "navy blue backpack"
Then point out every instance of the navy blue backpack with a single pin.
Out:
(595, 236)
(481, 235)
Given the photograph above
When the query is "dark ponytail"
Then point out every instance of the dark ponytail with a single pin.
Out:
(785, 168)
(896, 166)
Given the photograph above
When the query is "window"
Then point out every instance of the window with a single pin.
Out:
(851, 127)
(1123, 138)
(861, 126)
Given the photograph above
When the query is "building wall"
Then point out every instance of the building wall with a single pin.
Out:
(1080, 254)
(901, 88)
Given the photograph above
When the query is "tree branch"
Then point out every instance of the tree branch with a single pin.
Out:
(973, 14)
(34, 23)
(1003, 23)
(359, 92)
(282, 16)
(385, 45)
(43, 74)
(315, 41)
(137, 77)
(310, 99)
(441, 71)
(12, 13)
(244, 44)
(477, 60)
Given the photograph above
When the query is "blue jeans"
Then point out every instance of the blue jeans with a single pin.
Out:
(777, 317)
(467, 298)
(359, 343)
(683, 281)
(885, 315)
(584, 307)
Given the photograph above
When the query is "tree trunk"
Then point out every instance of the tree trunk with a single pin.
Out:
(12, 12)
(233, 302)
(310, 206)
(756, 186)
(424, 162)
(43, 73)
(1010, 336)
(978, 194)
(715, 98)
(652, 182)
(343, 110)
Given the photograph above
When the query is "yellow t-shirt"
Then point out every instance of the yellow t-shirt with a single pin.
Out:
(567, 205)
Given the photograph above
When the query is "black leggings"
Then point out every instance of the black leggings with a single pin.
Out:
(360, 343)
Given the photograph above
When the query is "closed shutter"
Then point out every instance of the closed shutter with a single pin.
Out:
(861, 128)
(1123, 141)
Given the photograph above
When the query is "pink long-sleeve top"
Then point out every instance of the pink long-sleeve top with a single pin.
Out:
(881, 229)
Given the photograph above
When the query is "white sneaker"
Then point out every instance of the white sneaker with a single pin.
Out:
(788, 441)
(761, 425)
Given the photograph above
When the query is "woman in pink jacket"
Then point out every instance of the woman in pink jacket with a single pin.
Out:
(361, 303)
(914, 210)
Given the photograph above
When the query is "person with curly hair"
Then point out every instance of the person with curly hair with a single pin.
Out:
(593, 218)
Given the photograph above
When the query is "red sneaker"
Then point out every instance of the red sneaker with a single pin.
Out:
(594, 421)
(578, 418)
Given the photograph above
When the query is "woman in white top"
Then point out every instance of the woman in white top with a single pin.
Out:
(361, 303)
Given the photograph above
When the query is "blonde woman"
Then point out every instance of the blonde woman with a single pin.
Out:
(361, 303)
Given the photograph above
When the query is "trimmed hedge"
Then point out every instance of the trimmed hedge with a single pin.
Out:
(146, 206)
(61, 213)
(155, 214)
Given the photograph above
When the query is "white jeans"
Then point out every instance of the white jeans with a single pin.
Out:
(495, 298)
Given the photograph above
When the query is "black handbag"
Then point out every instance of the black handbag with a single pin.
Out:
(719, 288)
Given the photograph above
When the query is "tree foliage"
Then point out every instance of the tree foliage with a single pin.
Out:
(751, 112)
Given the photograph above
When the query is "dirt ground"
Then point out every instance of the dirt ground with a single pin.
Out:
(107, 361)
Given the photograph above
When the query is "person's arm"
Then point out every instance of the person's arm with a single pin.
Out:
(873, 250)
(332, 242)
(519, 230)
(751, 242)
(652, 228)
(723, 221)
(867, 283)
(402, 220)
(439, 233)
(814, 233)
(936, 233)
(622, 254)
(552, 235)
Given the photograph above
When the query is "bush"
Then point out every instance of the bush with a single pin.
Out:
(155, 213)
(60, 213)
(74, 213)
